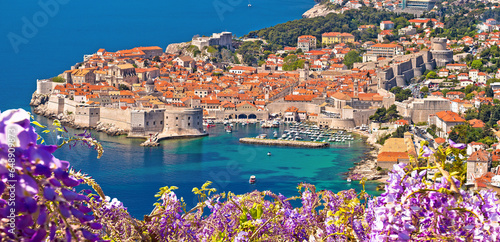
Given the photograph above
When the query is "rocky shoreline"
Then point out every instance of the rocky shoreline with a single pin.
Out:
(367, 167)
(318, 10)
(39, 102)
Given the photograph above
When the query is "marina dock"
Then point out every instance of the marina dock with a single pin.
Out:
(305, 144)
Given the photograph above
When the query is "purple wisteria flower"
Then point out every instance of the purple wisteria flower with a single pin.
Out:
(460, 146)
(38, 182)
(427, 151)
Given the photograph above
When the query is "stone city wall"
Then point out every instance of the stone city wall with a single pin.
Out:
(119, 117)
(87, 116)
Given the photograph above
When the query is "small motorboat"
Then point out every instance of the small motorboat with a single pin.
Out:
(229, 129)
(349, 179)
(268, 153)
(252, 180)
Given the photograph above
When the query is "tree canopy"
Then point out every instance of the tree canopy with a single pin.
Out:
(383, 115)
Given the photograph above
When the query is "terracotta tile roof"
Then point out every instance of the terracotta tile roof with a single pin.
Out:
(402, 122)
(392, 156)
(292, 109)
(440, 140)
(479, 156)
(245, 103)
(449, 116)
(476, 123)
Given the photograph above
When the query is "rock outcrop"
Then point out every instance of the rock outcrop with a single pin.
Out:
(110, 129)
(318, 10)
(177, 48)
(39, 99)
(43, 110)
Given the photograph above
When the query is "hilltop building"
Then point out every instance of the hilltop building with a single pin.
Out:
(336, 37)
(306, 43)
(382, 50)
(224, 39)
(424, 5)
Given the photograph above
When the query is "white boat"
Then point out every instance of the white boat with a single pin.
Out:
(268, 153)
(261, 136)
(252, 180)
(229, 129)
(349, 180)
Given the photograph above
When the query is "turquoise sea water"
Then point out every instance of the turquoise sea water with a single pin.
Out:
(63, 33)
(134, 174)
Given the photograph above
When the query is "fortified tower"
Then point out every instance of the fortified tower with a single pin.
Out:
(440, 53)
(304, 73)
(150, 86)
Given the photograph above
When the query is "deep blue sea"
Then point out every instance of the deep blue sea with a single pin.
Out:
(40, 39)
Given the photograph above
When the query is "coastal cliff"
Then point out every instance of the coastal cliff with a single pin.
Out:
(39, 99)
(318, 10)
(176, 48)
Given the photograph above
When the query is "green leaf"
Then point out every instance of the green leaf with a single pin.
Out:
(243, 218)
(38, 124)
(259, 211)
(253, 213)
(448, 151)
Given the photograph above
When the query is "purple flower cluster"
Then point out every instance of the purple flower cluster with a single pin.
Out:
(38, 199)
(262, 215)
(412, 209)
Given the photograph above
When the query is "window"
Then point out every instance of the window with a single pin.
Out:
(176, 118)
(161, 122)
(189, 124)
(147, 123)
(189, 118)
(154, 122)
